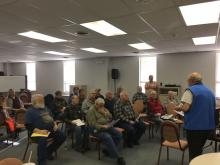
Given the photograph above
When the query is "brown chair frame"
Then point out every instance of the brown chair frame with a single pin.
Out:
(175, 138)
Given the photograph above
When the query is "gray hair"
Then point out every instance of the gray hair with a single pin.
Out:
(99, 101)
(38, 101)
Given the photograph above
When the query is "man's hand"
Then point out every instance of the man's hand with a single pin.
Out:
(131, 122)
(158, 114)
(104, 126)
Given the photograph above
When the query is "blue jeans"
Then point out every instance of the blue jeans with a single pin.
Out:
(133, 131)
(110, 138)
(43, 150)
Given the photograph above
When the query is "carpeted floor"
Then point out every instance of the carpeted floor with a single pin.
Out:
(145, 154)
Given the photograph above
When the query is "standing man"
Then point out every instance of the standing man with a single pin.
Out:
(198, 105)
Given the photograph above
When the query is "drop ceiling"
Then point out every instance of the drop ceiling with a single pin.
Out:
(156, 22)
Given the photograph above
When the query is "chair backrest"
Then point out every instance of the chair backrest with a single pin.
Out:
(138, 106)
(20, 116)
(169, 131)
(2, 117)
(10, 161)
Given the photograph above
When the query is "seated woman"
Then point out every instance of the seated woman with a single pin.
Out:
(98, 118)
(170, 102)
(13, 102)
(73, 112)
(155, 107)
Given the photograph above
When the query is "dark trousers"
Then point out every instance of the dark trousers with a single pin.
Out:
(43, 150)
(196, 140)
(133, 131)
(110, 138)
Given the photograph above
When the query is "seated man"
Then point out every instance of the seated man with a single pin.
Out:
(59, 105)
(155, 107)
(140, 96)
(98, 118)
(124, 112)
(38, 120)
(73, 112)
(87, 103)
(109, 102)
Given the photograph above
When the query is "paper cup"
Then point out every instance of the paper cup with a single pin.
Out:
(29, 164)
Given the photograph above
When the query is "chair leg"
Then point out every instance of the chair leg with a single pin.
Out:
(99, 150)
(149, 131)
(158, 162)
(182, 157)
(72, 139)
(26, 149)
(167, 153)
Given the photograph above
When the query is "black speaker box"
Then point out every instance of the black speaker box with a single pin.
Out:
(115, 74)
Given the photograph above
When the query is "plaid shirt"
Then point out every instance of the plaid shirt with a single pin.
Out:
(124, 111)
(140, 96)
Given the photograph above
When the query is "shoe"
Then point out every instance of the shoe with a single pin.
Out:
(136, 143)
(105, 152)
(121, 161)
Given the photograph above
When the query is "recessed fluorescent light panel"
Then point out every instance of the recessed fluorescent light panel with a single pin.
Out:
(103, 28)
(204, 40)
(58, 53)
(94, 50)
(40, 36)
(201, 13)
(141, 46)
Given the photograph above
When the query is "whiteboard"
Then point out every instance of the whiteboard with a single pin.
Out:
(12, 82)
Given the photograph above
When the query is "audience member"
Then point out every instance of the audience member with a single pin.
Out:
(109, 102)
(59, 105)
(87, 103)
(155, 107)
(13, 102)
(49, 104)
(98, 94)
(140, 96)
(82, 96)
(117, 94)
(151, 85)
(98, 118)
(198, 105)
(74, 92)
(124, 112)
(170, 102)
(38, 120)
(73, 112)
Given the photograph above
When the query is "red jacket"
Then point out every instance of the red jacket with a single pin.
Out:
(154, 106)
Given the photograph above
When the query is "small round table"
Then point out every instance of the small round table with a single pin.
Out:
(206, 159)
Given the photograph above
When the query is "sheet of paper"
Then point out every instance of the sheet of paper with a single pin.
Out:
(40, 135)
(181, 113)
(78, 122)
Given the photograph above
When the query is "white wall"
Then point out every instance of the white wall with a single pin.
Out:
(17, 69)
(129, 73)
(93, 73)
(49, 76)
(171, 68)
(175, 68)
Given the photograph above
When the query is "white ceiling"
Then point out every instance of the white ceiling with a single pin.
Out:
(156, 22)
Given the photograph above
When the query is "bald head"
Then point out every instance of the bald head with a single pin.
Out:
(194, 78)
(139, 89)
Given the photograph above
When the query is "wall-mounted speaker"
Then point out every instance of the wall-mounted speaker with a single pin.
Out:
(115, 74)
